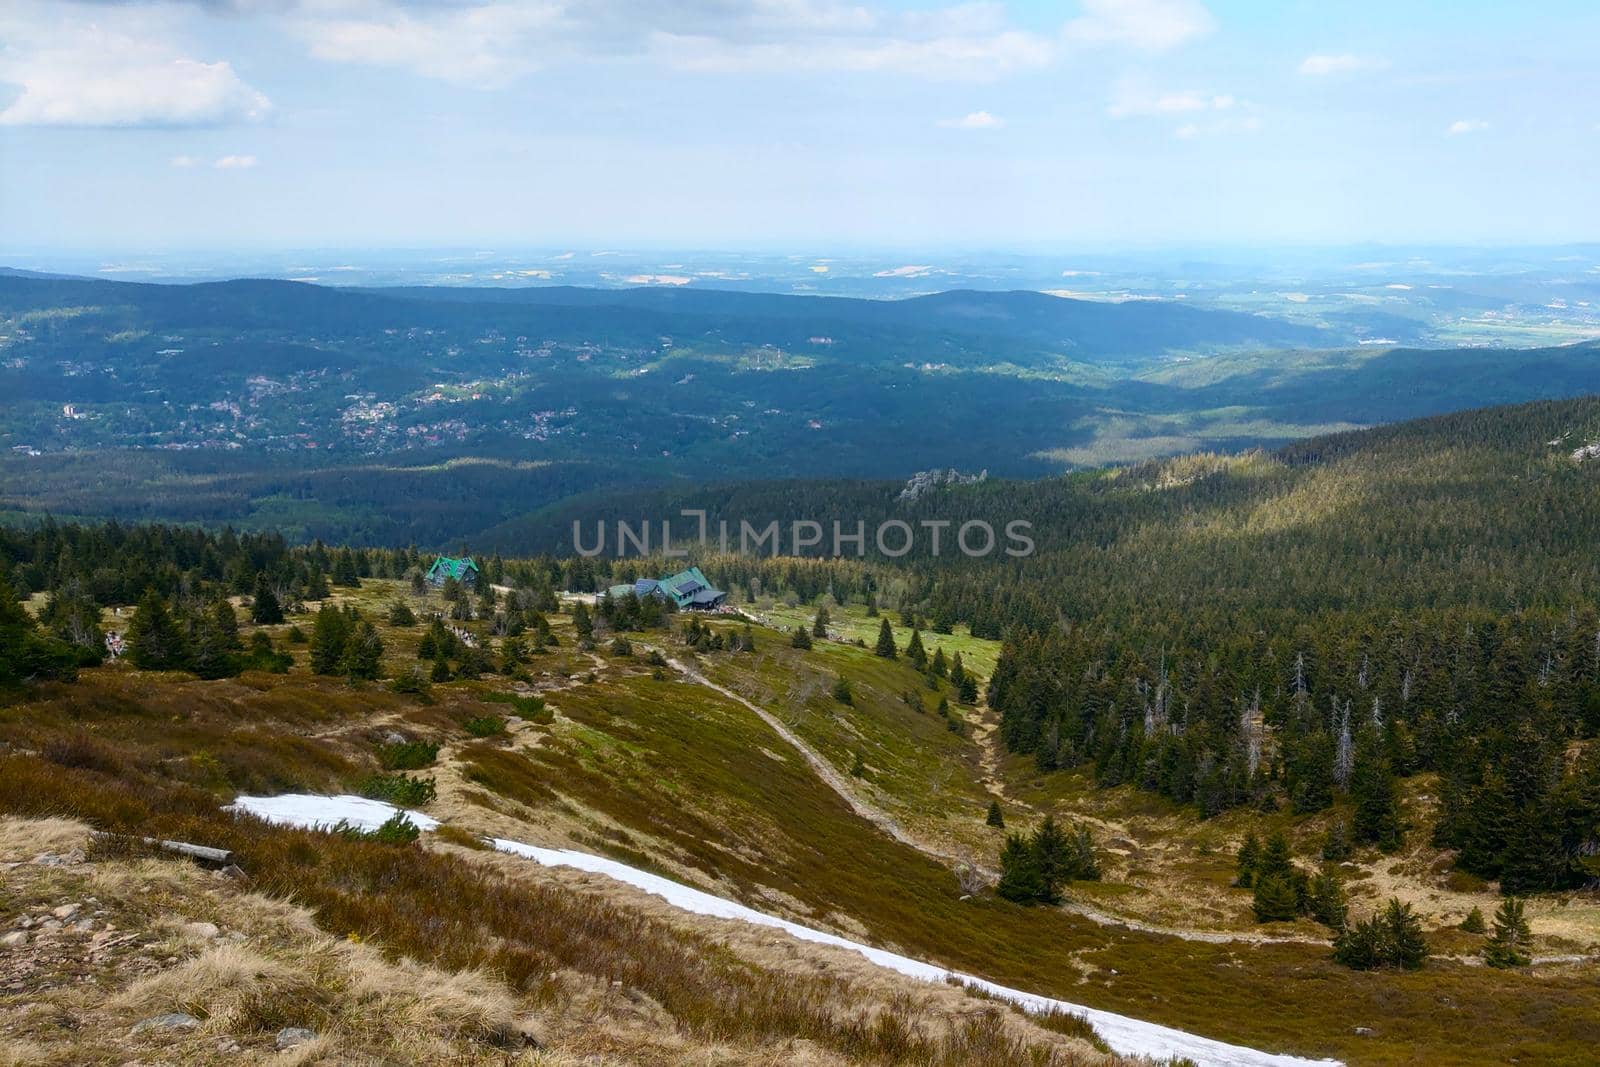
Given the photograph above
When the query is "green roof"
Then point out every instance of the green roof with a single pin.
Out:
(450, 567)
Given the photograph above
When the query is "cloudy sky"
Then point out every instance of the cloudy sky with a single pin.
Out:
(716, 123)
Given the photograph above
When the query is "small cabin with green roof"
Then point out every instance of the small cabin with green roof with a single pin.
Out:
(463, 570)
(689, 590)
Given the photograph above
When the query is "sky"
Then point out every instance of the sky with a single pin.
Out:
(795, 123)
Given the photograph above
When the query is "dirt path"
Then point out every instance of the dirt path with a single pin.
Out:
(825, 770)
(984, 731)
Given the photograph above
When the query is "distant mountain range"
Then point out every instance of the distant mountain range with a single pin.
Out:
(427, 414)
(1082, 330)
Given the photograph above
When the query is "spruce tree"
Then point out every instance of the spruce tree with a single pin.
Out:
(1275, 898)
(841, 690)
(1372, 787)
(328, 637)
(1406, 947)
(915, 652)
(1336, 846)
(995, 817)
(1327, 902)
(155, 641)
(1508, 945)
(937, 667)
(582, 621)
(362, 655)
(886, 647)
(1473, 923)
(1249, 858)
(1020, 879)
(819, 625)
(264, 607)
(227, 624)
(1055, 856)
(801, 638)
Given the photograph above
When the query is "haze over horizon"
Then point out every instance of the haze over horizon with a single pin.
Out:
(698, 124)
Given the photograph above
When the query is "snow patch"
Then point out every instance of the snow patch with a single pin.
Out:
(1127, 1036)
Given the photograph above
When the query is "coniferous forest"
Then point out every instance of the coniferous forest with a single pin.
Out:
(1269, 630)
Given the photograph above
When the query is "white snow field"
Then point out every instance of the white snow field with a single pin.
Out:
(1130, 1037)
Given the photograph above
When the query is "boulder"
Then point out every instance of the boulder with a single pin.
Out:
(290, 1036)
(174, 1020)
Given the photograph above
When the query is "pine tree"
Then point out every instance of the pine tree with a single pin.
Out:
(1275, 898)
(819, 625)
(227, 624)
(957, 671)
(1276, 857)
(400, 614)
(1327, 902)
(264, 607)
(858, 768)
(211, 655)
(1407, 949)
(886, 647)
(1508, 945)
(937, 667)
(1473, 923)
(1249, 859)
(747, 640)
(328, 637)
(155, 641)
(1336, 846)
(915, 652)
(362, 654)
(1056, 859)
(441, 669)
(1372, 786)
(801, 638)
(841, 690)
(1020, 879)
(995, 817)
(582, 621)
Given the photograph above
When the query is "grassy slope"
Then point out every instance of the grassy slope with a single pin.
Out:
(668, 774)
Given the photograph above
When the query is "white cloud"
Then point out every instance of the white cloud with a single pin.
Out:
(1216, 127)
(1317, 66)
(185, 161)
(236, 162)
(481, 45)
(1131, 102)
(1151, 25)
(489, 43)
(977, 120)
(959, 57)
(112, 69)
(1461, 126)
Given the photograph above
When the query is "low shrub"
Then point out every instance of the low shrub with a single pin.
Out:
(408, 755)
(485, 726)
(399, 789)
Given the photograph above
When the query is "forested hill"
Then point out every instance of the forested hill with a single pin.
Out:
(1087, 328)
(941, 323)
(1485, 508)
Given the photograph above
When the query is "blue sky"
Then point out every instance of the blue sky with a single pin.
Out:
(711, 123)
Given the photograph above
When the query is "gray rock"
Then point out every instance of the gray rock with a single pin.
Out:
(1361, 1031)
(394, 737)
(175, 1020)
(290, 1036)
(67, 911)
(15, 939)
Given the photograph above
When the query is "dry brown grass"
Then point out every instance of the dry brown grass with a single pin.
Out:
(22, 839)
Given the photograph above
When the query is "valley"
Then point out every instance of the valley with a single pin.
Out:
(677, 771)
